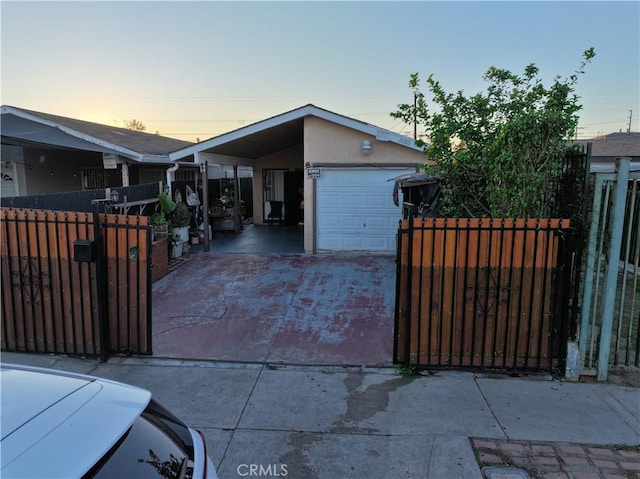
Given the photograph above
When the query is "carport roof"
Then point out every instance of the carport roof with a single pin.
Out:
(280, 132)
(32, 128)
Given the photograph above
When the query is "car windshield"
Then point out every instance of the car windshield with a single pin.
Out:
(156, 446)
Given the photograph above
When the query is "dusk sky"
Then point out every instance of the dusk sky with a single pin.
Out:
(193, 70)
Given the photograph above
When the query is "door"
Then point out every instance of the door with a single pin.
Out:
(355, 210)
(293, 181)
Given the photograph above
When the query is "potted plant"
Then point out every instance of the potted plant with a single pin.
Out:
(216, 207)
(179, 219)
(159, 226)
(159, 221)
(176, 246)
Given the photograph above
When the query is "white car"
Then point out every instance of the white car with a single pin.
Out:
(56, 424)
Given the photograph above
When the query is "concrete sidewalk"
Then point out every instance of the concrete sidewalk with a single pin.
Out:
(339, 422)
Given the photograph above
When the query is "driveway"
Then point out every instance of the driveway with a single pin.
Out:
(324, 309)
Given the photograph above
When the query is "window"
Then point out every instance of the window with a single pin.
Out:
(157, 446)
(94, 178)
(187, 174)
(274, 185)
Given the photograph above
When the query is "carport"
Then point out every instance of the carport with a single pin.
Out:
(340, 166)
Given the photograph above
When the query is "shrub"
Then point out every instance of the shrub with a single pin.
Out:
(180, 216)
(498, 153)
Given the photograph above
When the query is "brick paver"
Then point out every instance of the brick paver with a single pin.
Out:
(545, 460)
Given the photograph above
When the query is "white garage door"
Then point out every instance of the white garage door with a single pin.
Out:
(355, 210)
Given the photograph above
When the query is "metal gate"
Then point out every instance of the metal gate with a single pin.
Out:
(609, 333)
(75, 283)
(484, 293)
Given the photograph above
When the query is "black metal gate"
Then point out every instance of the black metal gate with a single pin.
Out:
(75, 283)
(484, 293)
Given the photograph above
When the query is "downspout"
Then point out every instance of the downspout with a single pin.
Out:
(170, 172)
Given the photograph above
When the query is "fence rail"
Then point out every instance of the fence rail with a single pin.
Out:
(484, 293)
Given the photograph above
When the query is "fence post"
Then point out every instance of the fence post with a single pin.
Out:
(611, 278)
(101, 284)
(585, 315)
(409, 310)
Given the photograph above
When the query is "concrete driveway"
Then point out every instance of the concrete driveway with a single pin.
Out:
(325, 309)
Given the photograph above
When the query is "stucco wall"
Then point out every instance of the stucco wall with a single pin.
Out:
(42, 170)
(328, 144)
(54, 171)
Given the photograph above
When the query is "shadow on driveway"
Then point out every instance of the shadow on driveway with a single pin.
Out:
(325, 309)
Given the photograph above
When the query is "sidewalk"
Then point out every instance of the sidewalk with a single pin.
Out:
(339, 422)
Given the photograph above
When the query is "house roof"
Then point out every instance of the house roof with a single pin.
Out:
(280, 132)
(614, 145)
(33, 128)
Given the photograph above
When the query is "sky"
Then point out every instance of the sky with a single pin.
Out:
(195, 70)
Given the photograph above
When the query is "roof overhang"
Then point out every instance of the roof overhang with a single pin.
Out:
(23, 129)
(278, 133)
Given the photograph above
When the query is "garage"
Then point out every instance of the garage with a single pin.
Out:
(355, 210)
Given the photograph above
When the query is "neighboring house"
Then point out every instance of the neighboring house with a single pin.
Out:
(44, 153)
(340, 167)
(605, 149)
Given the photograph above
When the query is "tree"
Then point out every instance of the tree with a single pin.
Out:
(498, 153)
(135, 125)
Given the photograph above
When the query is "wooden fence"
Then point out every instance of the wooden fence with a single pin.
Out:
(74, 283)
(482, 293)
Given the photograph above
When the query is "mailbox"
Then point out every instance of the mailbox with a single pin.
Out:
(84, 250)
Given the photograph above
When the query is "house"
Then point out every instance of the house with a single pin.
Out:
(606, 148)
(44, 153)
(328, 173)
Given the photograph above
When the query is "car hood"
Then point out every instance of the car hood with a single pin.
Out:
(61, 422)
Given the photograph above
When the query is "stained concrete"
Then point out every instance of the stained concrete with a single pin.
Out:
(326, 309)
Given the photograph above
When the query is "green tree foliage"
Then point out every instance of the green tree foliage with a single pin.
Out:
(499, 153)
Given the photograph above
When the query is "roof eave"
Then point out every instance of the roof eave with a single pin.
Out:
(380, 134)
(133, 155)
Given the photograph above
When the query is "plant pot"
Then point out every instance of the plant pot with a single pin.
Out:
(182, 233)
(160, 232)
(176, 250)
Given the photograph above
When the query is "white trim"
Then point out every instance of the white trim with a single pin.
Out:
(309, 110)
(76, 134)
(216, 159)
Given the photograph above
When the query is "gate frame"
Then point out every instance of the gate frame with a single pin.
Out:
(620, 179)
(548, 248)
(53, 326)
